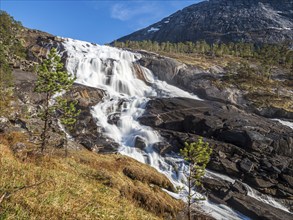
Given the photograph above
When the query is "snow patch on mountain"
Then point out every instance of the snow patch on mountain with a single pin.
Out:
(152, 29)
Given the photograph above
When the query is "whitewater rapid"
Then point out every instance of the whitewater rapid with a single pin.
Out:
(286, 123)
(115, 71)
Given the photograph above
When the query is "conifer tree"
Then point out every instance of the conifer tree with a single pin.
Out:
(10, 47)
(198, 155)
(52, 80)
(5, 81)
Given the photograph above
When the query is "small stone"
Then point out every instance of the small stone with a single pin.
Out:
(18, 147)
(246, 165)
(222, 155)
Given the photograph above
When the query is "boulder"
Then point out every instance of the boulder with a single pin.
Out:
(258, 182)
(239, 187)
(139, 143)
(256, 209)
(229, 166)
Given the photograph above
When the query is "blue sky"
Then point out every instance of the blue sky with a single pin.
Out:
(95, 21)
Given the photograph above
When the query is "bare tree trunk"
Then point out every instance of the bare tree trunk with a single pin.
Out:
(189, 194)
(65, 145)
(45, 128)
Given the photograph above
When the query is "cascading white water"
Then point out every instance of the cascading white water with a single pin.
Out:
(112, 70)
(286, 123)
(264, 198)
(250, 191)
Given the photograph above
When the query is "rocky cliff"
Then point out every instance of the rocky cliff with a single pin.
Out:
(258, 21)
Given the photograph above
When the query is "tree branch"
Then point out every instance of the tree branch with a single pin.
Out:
(6, 195)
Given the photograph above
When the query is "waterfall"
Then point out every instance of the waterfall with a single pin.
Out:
(127, 94)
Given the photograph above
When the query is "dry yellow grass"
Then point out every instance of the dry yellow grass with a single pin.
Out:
(260, 91)
(83, 185)
(202, 61)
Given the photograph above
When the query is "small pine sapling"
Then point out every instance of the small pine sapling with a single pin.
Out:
(51, 81)
(198, 155)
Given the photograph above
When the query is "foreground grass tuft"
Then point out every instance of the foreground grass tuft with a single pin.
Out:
(81, 186)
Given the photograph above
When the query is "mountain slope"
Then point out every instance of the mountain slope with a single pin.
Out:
(261, 21)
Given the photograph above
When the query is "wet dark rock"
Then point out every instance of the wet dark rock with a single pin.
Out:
(239, 187)
(236, 137)
(288, 191)
(244, 145)
(139, 143)
(274, 112)
(216, 199)
(265, 164)
(163, 148)
(206, 118)
(258, 210)
(235, 196)
(276, 170)
(114, 118)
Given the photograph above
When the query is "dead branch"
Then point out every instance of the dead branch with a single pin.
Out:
(6, 195)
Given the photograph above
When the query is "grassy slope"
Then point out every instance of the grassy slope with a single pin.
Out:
(81, 186)
(201, 61)
(262, 92)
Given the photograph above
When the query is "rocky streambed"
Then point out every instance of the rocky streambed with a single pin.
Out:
(248, 148)
(253, 151)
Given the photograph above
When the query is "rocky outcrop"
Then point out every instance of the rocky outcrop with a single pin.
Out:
(36, 44)
(248, 147)
(235, 195)
(86, 132)
(262, 21)
(243, 204)
(191, 78)
(212, 85)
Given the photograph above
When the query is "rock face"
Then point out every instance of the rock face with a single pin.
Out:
(248, 147)
(261, 21)
(210, 84)
(86, 132)
(235, 195)
(37, 44)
